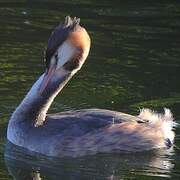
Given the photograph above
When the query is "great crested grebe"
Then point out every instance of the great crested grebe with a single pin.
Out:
(81, 132)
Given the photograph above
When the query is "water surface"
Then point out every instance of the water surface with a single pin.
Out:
(134, 62)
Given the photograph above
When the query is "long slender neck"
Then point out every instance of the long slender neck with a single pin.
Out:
(34, 106)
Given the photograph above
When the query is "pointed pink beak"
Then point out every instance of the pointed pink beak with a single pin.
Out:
(47, 77)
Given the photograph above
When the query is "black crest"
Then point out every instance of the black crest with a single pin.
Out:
(59, 35)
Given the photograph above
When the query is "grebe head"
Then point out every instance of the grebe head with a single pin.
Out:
(67, 50)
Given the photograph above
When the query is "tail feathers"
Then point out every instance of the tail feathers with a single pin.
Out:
(165, 122)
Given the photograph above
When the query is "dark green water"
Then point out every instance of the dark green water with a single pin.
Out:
(134, 62)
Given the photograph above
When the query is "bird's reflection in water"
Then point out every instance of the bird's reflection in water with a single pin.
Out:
(23, 165)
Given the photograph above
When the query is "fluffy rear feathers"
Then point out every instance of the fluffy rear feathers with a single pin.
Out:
(164, 122)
